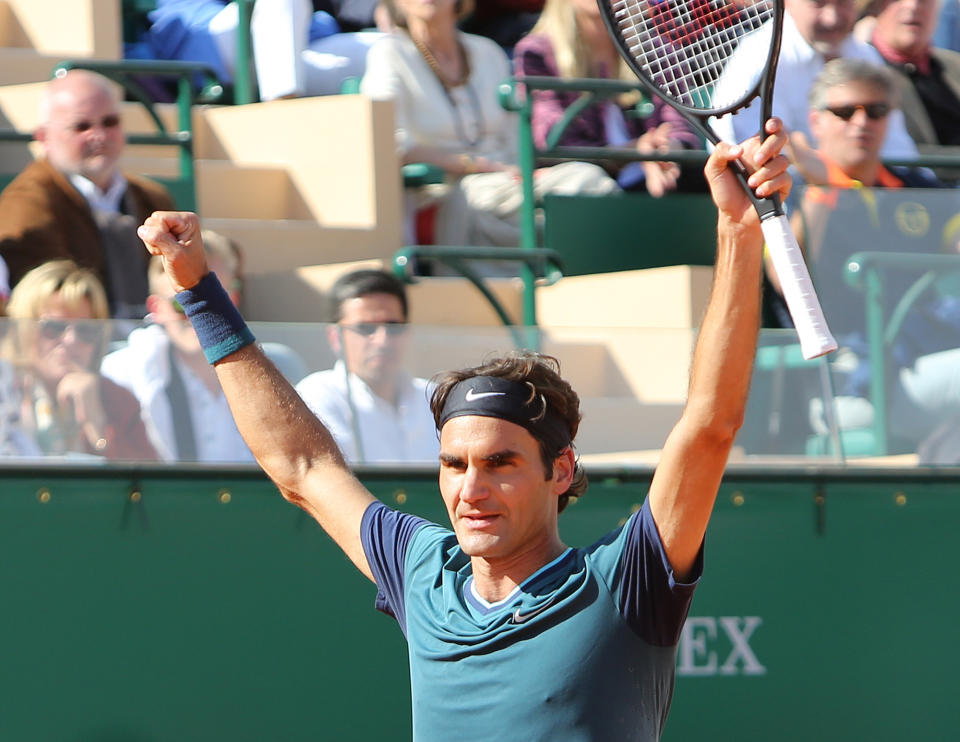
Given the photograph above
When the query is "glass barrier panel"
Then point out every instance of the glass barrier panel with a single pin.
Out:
(99, 392)
(886, 266)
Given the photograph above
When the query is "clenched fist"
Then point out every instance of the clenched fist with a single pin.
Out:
(175, 237)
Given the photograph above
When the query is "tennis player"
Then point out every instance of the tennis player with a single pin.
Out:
(511, 633)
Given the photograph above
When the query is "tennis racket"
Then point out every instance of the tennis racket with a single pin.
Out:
(680, 48)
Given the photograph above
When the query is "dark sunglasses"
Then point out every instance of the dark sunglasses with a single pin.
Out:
(55, 329)
(366, 329)
(874, 111)
(110, 121)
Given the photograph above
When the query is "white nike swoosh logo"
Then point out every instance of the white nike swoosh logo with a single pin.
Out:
(519, 617)
(472, 395)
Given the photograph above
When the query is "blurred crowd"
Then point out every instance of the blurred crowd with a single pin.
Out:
(858, 83)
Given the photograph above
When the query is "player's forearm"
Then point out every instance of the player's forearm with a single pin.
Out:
(281, 432)
(685, 484)
(723, 358)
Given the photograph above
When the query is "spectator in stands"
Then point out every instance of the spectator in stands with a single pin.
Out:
(570, 40)
(814, 31)
(444, 85)
(929, 77)
(374, 409)
(858, 205)
(298, 49)
(75, 203)
(66, 405)
(163, 366)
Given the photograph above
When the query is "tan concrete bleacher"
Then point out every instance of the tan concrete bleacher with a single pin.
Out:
(296, 183)
(36, 34)
(311, 188)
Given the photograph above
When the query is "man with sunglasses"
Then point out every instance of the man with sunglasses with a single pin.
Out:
(74, 202)
(374, 409)
(853, 203)
(162, 365)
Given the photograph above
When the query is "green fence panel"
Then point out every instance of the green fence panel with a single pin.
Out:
(142, 605)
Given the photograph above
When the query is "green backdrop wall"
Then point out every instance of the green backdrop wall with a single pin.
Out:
(141, 605)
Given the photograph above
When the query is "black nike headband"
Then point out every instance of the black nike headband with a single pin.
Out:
(513, 401)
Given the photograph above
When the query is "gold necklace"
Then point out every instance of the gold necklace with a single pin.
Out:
(444, 79)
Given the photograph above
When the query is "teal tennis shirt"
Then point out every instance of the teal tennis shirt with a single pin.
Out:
(584, 650)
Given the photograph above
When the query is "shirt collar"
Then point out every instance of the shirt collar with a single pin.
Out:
(920, 61)
(108, 200)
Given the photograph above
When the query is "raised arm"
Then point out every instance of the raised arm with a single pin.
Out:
(685, 484)
(288, 441)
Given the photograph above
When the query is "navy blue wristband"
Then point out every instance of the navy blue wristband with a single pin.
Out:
(217, 321)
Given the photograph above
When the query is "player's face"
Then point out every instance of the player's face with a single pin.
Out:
(373, 336)
(823, 23)
(907, 25)
(854, 142)
(502, 506)
(84, 135)
(64, 342)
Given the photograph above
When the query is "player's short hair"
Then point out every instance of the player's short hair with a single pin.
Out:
(364, 282)
(843, 71)
(463, 9)
(542, 373)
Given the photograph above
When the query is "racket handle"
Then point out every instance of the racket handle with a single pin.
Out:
(797, 288)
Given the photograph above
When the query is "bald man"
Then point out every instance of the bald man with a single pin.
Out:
(74, 202)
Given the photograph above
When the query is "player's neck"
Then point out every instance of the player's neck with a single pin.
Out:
(495, 578)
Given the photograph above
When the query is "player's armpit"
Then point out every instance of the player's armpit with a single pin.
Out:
(294, 448)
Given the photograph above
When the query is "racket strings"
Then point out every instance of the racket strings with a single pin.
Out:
(684, 45)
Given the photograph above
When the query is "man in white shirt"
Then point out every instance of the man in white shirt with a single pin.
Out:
(74, 202)
(181, 402)
(374, 409)
(814, 31)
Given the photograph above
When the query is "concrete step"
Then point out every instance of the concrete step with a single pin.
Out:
(227, 191)
(67, 28)
(26, 66)
(272, 245)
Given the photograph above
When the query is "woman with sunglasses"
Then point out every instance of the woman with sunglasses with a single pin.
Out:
(65, 404)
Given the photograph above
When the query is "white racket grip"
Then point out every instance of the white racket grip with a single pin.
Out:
(797, 288)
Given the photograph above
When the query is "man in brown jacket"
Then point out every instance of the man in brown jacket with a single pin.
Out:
(74, 202)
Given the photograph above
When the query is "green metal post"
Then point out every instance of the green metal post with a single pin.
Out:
(878, 356)
(187, 171)
(528, 223)
(243, 79)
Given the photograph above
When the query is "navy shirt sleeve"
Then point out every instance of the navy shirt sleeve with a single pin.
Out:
(385, 534)
(651, 600)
